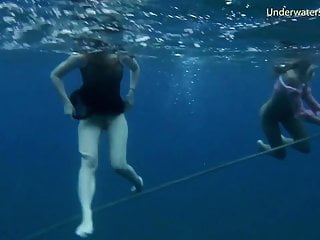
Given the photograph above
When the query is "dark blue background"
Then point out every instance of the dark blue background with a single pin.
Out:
(260, 199)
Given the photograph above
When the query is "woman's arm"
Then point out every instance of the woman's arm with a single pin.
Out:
(310, 100)
(300, 111)
(133, 65)
(72, 62)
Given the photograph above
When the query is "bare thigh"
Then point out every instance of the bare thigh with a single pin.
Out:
(296, 129)
(118, 135)
(271, 128)
(89, 134)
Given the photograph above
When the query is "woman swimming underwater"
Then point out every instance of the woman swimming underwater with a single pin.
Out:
(99, 107)
(285, 107)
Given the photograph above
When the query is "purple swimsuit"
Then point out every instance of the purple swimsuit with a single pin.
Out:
(297, 96)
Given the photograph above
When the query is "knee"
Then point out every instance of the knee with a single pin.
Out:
(89, 161)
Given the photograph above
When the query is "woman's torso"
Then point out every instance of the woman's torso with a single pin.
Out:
(281, 102)
(101, 78)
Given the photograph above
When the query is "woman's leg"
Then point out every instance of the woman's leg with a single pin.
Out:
(297, 130)
(118, 135)
(89, 133)
(271, 129)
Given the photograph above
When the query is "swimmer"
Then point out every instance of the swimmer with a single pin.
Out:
(285, 107)
(99, 107)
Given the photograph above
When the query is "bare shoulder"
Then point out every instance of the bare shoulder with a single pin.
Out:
(72, 62)
(77, 58)
(128, 60)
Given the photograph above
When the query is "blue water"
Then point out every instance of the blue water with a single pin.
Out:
(189, 116)
(260, 199)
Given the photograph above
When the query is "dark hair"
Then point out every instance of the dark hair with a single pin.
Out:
(301, 66)
(87, 45)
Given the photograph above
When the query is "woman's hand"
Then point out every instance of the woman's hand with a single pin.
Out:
(68, 108)
(130, 99)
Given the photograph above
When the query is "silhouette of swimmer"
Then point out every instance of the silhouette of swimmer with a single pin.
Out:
(99, 107)
(285, 107)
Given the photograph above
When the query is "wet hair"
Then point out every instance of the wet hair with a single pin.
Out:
(87, 44)
(301, 66)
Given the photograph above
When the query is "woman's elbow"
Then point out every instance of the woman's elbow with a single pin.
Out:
(135, 68)
(137, 72)
(54, 77)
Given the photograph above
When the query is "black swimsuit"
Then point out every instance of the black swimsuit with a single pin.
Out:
(100, 92)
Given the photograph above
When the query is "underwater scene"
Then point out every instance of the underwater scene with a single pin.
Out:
(153, 120)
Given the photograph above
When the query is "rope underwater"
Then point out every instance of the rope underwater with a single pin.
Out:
(44, 231)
